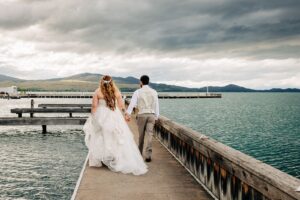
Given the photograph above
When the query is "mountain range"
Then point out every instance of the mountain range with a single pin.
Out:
(89, 81)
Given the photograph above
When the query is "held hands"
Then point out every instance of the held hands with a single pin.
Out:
(127, 117)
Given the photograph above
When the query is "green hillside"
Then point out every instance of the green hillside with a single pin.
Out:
(87, 82)
(79, 82)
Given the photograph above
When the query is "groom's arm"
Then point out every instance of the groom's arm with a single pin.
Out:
(156, 106)
(133, 103)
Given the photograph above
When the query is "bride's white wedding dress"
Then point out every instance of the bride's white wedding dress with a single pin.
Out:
(111, 142)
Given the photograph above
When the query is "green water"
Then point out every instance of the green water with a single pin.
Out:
(263, 125)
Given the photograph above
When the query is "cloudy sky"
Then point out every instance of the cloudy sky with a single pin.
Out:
(190, 43)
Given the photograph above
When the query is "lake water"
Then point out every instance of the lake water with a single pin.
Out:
(263, 125)
(36, 166)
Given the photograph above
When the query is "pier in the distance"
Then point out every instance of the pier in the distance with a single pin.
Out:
(87, 95)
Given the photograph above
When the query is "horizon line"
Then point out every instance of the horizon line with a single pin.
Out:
(158, 82)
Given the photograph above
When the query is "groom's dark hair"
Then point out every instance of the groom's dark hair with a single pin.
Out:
(145, 79)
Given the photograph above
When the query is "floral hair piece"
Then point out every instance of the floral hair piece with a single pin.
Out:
(106, 82)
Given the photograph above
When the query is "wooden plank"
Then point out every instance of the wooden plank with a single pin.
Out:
(64, 105)
(42, 121)
(51, 110)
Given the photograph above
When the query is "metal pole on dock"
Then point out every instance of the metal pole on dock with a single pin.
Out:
(206, 90)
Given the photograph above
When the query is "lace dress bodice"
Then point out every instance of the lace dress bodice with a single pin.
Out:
(102, 102)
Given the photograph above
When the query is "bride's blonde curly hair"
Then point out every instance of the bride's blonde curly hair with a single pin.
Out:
(108, 89)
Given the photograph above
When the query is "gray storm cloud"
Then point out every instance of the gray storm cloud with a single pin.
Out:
(252, 31)
(125, 26)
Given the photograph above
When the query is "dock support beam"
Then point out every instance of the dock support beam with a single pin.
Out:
(32, 106)
(44, 127)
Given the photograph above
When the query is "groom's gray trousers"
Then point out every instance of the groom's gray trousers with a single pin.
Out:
(146, 124)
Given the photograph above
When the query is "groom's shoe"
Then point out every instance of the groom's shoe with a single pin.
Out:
(148, 159)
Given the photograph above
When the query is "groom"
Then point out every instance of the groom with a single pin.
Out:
(145, 100)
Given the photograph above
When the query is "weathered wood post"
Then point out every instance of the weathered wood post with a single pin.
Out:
(44, 127)
(32, 106)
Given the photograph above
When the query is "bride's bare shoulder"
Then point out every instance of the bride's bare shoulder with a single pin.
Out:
(118, 93)
(98, 93)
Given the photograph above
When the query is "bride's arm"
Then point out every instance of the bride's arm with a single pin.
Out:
(95, 102)
(120, 101)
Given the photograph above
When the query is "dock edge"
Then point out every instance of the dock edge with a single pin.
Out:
(80, 178)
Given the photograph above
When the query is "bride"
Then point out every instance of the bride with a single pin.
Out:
(107, 135)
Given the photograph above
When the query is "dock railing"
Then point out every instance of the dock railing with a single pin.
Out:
(225, 172)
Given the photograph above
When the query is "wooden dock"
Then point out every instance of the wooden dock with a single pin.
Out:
(18, 121)
(189, 165)
(45, 121)
(55, 105)
(20, 111)
(165, 180)
(41, 121)
(129, 95)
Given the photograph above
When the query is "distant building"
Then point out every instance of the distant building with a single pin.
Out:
(13, 90)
